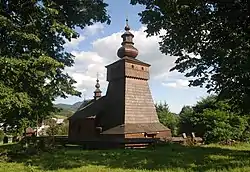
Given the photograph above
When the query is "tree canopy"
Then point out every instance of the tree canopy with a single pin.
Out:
(211, 40)
(32, 57)
(167, 118)
(214, 121)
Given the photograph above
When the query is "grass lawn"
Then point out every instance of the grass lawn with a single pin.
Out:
(171, 157)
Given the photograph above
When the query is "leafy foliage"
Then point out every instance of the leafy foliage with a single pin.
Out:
(167, 118)
(53, 127)
(64, 128)
(56, 129)
(1, 135)
(214, 121)
(32, 57)
(211, 40)
(186, 125)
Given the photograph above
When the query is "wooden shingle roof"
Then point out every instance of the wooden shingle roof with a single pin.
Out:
(91, 108)
(137, 128)
(129, 59)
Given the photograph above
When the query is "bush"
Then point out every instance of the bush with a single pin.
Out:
(53, 128)
(219, 127)
(63, 129)
(167, 118)
(170, 120)
(246, 136)
(1, 135)
(214, 121)
(246, 133)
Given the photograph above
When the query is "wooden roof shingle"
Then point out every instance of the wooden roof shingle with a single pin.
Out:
(136, 128)
(91, 108)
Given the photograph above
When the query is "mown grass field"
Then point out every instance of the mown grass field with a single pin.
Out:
(171, 157)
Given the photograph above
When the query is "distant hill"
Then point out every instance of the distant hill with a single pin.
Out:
(73, 107)
(76, 105)
(67, 109)
(64, 106)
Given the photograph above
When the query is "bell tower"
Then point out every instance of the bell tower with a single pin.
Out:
(128, 90)
(130, 102)
(97, 92)
(127, 110)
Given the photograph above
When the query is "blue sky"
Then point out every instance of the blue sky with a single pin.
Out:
(97, 45)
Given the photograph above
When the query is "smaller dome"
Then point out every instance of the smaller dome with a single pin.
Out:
(97, 91)
(97, 85)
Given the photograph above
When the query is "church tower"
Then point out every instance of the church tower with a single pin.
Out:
(97, 92)
(127, 110)
(130, 107)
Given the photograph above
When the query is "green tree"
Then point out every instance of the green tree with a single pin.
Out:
(211, 102)
(1, 135)
(186, 125)
(213, 120)
(167, 118)
(211, 41)
(64, 128)
(221, 125)
(32, 57)
(246, 133)
(53, 127)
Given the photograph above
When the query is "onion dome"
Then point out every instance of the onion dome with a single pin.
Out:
(127, 49)
(97, 92)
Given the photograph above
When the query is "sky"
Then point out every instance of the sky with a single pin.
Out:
(97, 47)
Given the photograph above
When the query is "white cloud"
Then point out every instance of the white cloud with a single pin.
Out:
(179, 83)
(148, 51)
(88, 64)
(74, 42)
(85, 69)
(94, 29)
(87, 32)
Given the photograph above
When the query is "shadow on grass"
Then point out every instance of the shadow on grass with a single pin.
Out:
(170, 156)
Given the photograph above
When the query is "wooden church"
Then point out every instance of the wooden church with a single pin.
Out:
(127, 110)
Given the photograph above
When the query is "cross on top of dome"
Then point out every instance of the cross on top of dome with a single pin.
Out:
(127, 49)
